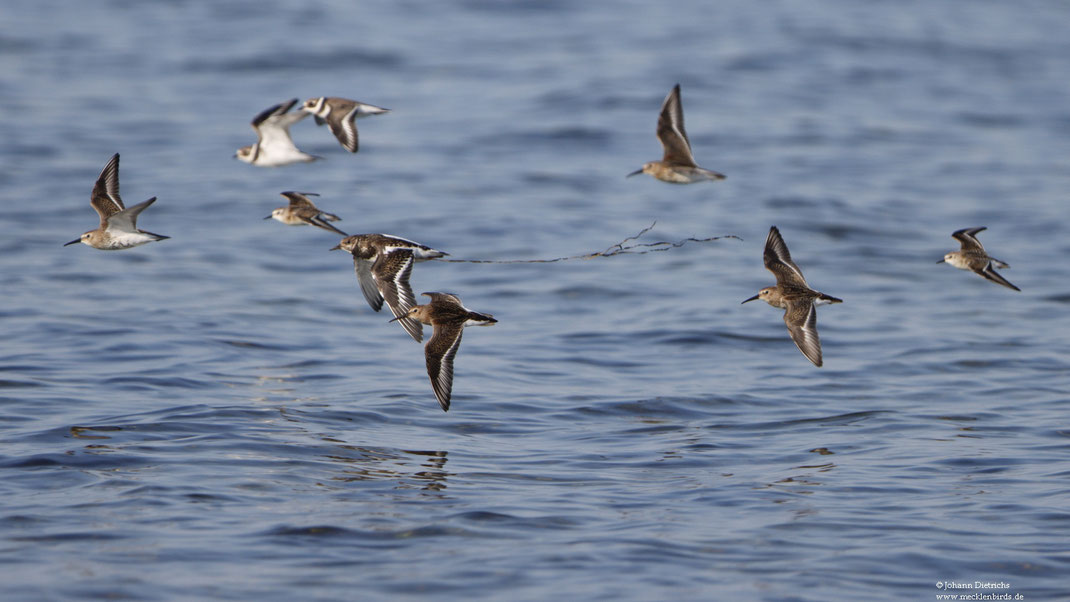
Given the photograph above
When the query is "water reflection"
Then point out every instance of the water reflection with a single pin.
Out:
(362, 464)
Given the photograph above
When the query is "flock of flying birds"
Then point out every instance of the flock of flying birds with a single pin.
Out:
(383, 263)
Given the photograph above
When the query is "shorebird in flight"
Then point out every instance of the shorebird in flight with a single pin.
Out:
(449, 318)
(118, 223)
(677, 165)
(972, 256)
(794, 296)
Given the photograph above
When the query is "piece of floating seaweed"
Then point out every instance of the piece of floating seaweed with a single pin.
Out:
(620, 248)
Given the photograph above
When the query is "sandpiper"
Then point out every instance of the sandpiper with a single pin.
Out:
(340, 114)
(794, 296)
(118, 224)
(274, 147)
(448, 317)
(302, 211)
(383, 264)
(677, 165)
(972, 256)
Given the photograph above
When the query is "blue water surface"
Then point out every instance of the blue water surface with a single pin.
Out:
(221, 415)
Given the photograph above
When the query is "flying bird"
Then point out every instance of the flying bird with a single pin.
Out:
(118, 223)
(302, 211)
(972, 256)
(794, 296)
(340, 114)
(449, 318)
(677, 165)
(383, 264)
(274, 147)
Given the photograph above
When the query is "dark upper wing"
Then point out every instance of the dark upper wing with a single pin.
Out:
(105, 198)
(801, 319)
(299, 199)
(671, 131)
(778, 260)
(368, 286)
(391, 271)
(445, 298)
(314, 217)
(344, 127)
(273, 110)
(991, 274)
(439, 352)
(968, 238)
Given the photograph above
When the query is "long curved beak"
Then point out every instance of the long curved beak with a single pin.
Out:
(751, 299)
(73, 242)
(635, 173)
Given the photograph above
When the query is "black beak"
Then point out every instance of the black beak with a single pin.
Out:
(635, 173)
(751, 299)
(941, 261)
(336, 247)
(397, 318)
(269, 217)
(73, 242)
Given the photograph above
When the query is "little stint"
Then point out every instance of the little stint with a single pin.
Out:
(302, 211)
(973, 257)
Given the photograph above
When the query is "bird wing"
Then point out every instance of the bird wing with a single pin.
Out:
(314, 217)
(778, 260)
(671, 131)
(363, 268)
(343, 125)
(126, 220)
(391, 271)
(801, 319)
(967, 237)
(444, 298)
(105, 198)
(990, 273)
(299, 199)
(439, 352)
(273, 125)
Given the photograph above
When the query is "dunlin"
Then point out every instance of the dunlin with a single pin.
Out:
(302, 211)
(340, 115)
(448, 317)
(118, 224)
(274, 147)
(972, 256)
(794, 296)
(383, 264)
(677, 165)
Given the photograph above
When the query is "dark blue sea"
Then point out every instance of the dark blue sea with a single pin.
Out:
(221, 416)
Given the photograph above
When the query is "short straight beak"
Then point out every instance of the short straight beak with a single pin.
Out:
(336, 247)
(941, 261)
(751, 299)
(635, 173)
(75, 241)
(269, 217)
(397, 318)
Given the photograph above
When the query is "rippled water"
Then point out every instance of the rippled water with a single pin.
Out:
(221, 416)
